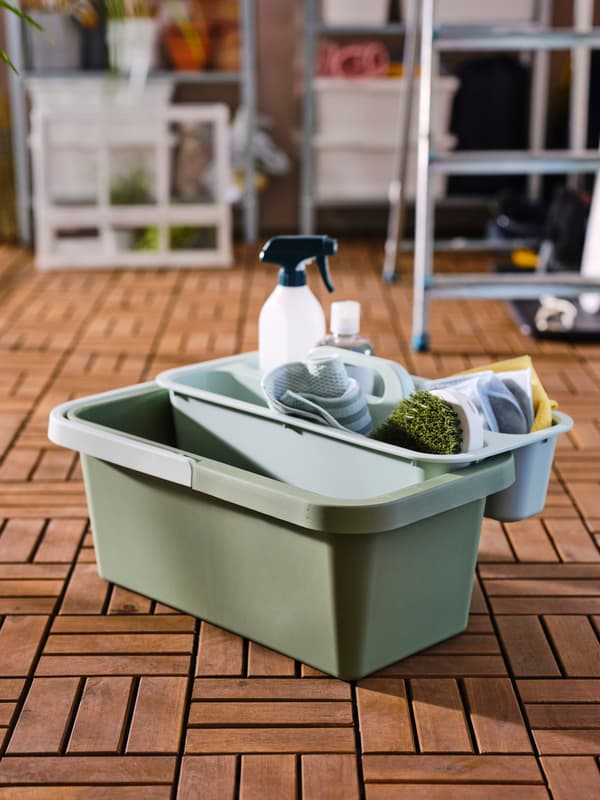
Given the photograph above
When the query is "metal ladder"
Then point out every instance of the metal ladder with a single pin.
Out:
(531, 162)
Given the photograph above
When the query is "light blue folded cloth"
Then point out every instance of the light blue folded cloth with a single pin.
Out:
(319, 389)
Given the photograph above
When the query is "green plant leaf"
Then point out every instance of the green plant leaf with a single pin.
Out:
(14, 10)
(7, 61)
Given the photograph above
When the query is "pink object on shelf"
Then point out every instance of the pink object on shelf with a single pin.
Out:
(361, 60)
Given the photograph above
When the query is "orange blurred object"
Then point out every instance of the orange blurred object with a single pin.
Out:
(187, 45)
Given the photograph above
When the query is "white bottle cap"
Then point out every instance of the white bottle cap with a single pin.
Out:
(345, 317)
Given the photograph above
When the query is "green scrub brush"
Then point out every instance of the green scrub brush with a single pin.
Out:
(440, 422)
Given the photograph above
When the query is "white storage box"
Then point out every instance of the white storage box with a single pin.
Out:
(474, 12)
(359, 171)
(354, 12)
(359, 107)
(92, 92)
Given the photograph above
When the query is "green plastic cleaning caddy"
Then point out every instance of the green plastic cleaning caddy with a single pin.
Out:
(232, 385)
(331, 550)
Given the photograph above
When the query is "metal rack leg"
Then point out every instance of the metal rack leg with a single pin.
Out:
(18, 116)
(308, 124)
(583, 16)
(539, 98)
(424, 202)
(250, 200)
(397, 189)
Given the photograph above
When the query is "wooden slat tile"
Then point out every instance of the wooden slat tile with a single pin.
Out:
(496, 717)
(466, 644)
(268, 776)
(27, 605)
(553, 571)
(307, 671)
(122, 624)
(11, 688)
(41, 726)
(7, 712)
(545, 605)
(451, 768)
(530, 541)
(158, 715)
(18, 464)
(19, 537)
(555, 588)
(119, 643)
(478, 604)
(494, 545)
(577, 645)
(87, 769)
(384, 716)
(20, 638)
(270, 740)
(265, 713)
(122, 601)
(60, 540)
(30, 588)
(439, 716)
(572, 778)
(215, 774)
(478, 623)
(28, 572)
(334, 777)
(429, 791)
(574, 690)
(270, 689)
(86, 792)
(450, 665)
(563, 715)
(54, 465)
(587, 497)
(526, 645)
(568, 742)
(572, 540)
(262, 661)
(98, 726)
(220, 652)
(113, 665)
(86, 591)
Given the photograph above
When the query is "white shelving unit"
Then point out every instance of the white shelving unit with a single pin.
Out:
(318, 22)
(18, 41)
(79, 222)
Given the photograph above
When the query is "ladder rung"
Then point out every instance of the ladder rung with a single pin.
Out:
(464, 244)
(501, 38)
(515, 162)
(341, 29)
(509, 286)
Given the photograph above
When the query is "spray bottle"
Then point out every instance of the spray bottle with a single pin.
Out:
(291, 321)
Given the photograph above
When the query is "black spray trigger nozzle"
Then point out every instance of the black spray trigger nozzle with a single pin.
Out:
(324, 270)
(292, 253)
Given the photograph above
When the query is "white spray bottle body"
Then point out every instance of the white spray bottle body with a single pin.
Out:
(291, 322)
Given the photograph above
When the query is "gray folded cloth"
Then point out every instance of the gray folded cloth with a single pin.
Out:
(318, 389)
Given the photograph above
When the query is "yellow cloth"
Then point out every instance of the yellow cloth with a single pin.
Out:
(542, 404)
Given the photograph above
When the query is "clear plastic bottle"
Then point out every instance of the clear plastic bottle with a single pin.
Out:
(345, 327)
(345, 333)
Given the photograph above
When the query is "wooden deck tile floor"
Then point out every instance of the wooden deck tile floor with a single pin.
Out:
(107, 694)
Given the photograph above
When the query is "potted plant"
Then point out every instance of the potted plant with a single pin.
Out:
(131, 35)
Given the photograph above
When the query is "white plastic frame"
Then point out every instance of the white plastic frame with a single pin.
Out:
(51, 217)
